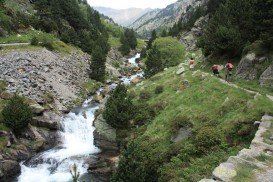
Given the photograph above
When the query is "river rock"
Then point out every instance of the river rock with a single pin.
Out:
(8, 169)
(104, 135)
(98, 98)
(49, 120)
(136, 80)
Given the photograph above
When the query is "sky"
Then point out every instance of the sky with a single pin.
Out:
(123, 4)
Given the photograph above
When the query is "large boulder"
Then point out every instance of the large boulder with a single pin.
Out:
(266, 78)
(224, 172)
(9, 169)
(250, 66)
(105, 135)
(48, 120)
(37, 109)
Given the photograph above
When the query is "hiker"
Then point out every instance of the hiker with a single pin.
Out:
(229, 68)
(215, 70)
(192, 63)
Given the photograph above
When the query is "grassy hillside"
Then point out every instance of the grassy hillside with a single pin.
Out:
(220, 118)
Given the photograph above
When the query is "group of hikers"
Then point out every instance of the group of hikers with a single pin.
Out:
(216, 69)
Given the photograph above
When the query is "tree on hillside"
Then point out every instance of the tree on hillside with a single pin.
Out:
(128, 41)
(164, 33)
(165, 52)
(17, 114)
(213, 5)
(153, 63)
(97, 64)
(119, 108)
(230, 29)
(151, 40)
(264, 21)
(2, 2)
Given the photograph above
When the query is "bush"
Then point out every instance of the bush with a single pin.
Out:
(34, 41)
(119, 108)
(17, 114)
(47, 42)
(207, 138)
(165, 52)
(159, 89)
(144, 114)
(144, 95)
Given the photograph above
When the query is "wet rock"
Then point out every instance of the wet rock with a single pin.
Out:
(8, 169)
(104, 135)
(136, 80)
(98, 98)
(49, 120)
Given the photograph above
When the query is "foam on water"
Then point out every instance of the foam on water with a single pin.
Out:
(78, 142)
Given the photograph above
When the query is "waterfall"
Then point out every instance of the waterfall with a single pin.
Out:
(77, 144)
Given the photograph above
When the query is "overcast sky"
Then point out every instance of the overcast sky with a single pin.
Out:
(123, 4)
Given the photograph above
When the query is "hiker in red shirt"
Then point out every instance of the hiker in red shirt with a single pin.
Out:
(192, 63)
(229, 68)
(215, 70)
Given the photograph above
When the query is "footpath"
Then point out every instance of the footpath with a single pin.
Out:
(253, 164)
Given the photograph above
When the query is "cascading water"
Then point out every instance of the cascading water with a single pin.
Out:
(77, 144)
(77, 137)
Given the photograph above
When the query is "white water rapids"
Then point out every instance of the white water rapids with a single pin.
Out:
(77, 137)
(77, 144)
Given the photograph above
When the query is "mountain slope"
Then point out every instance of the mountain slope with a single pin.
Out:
(123, 17)
(163, 18)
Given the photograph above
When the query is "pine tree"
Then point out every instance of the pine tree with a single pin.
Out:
(164, 33)
(97, 64)
(154, 63)
(119, 108)
(151, 40)
(128, 41)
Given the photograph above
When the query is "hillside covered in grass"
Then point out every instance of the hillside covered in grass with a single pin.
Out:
(195, 123)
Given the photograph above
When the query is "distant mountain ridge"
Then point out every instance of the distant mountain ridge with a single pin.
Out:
(123, 17)
(162, 18)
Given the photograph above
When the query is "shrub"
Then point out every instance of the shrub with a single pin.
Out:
(119, 108)
(165, 52)
(144, 114)
(17, 114)
(207, 138)
(144, 95)
(47, 42)
(159, 89)
(34, 41)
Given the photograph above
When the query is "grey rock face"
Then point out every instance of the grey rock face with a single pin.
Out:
(35, 73)
(104, 135)
(246, 68)
(266, 78)
(189, 39)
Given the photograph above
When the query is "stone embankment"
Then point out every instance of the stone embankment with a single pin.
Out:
(258, 157)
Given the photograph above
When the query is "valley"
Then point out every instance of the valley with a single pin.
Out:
(105, 94)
